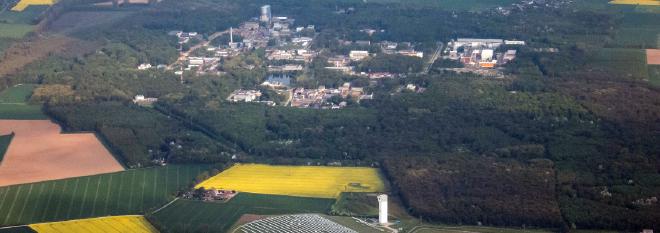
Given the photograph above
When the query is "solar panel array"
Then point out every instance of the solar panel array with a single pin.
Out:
(308, 223)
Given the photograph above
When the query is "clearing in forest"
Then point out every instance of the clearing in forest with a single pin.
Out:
(653, 56)
(25, 3)
(129, 223)
(302, 181)
(39, 152)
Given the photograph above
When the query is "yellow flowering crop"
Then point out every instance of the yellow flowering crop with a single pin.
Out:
(119, 224)
(637, 2)
(25, 3)
(302, 181)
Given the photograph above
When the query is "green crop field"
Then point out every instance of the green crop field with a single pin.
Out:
(197, 216)
(129, 192)
(654, 75)
(30, 15)
(14, 104)
(4, 143)
(15, 30)
(638, 30)
(17, 94)
(23, 229)
(626, 63)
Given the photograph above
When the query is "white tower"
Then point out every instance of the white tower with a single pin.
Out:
(231, 35)
(382, 209)
(265, 14)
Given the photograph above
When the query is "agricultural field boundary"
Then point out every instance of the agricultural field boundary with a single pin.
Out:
(134, 191)
(300, 181)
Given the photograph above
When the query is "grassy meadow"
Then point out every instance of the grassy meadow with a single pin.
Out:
(15, 31)
(301, 181)
(129, 192)
(625, 63)
(129, 223)
(14, 104)
(197, 216)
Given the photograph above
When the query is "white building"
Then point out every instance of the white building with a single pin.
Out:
(244, 96)
(141, 100)
(411, 53)
(487, 54)
(514, 42)
(475, 42)
(357, 55)
(144, 66)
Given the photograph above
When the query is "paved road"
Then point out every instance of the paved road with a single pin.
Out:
(184, 55)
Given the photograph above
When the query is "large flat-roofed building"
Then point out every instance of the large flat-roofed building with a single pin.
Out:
(475, 42)
(357, 55)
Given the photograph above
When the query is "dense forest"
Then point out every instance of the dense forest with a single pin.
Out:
(568, 140)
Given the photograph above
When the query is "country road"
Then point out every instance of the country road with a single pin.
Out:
(184, 55)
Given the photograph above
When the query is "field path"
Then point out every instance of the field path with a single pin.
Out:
(39, 152)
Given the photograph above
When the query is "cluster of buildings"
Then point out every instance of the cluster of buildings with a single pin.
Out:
(266, 31)
(296, 55)
(342, 63)
(481, 53)
(402, 48)
(210, 194)
(185, 37)
(318, 98)
(258, 32)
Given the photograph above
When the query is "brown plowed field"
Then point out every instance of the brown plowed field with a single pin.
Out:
(653, 56)
(39, 152)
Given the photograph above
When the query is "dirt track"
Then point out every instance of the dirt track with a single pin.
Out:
(653, 56)
(38, 152)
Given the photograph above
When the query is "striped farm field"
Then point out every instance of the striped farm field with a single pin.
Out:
(301, 181)
(129, 192)
(129, 223)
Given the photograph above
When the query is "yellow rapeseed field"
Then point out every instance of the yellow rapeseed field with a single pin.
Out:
(637, 2)
(302, 181)
(118, 224)
(25, 3)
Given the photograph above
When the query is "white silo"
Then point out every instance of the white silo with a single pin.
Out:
(382, 209)
(265, 14)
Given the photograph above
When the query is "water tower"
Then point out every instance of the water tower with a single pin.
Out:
(382, 209)
(265, 14)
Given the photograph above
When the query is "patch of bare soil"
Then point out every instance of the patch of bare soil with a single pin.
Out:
(653, 56)
(40, 152)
